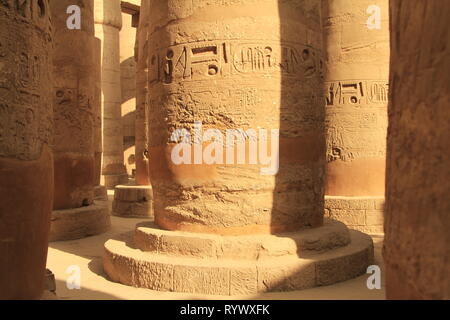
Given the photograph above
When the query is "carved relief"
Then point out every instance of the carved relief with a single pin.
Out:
(208, 60)
(27, 9)
(74, 121)
(25, 79)
(356, 92)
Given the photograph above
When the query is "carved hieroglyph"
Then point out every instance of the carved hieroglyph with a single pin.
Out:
(142, 108)
(74, 109)
(108, 22)
(26, 164)
(259, 67)
(356, 95)
(226, 229)
(356, 36)
(417, 242)
(76, 114)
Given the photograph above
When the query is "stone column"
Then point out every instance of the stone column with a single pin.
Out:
(76, 215)
(224, 77)
(135, 200)
(356, 95)
(100, 192)
(142, 108)
(417, 222)
(26, 162)
(246, 227)
(128, 87)
(108, 22)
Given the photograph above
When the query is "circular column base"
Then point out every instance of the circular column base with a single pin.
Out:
(100, 193)
(112, 180)
(364, 214)
(72, 224)
(220, 265)
(133, 201)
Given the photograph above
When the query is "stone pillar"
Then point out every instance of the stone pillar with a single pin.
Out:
(26, 162)
(135, 200)
(108, 22)
(142, 108)
(356, 95)
(100, 192)
(242, 226)
(76, 215)
(417, 222)
(227, 78)
(128, 86)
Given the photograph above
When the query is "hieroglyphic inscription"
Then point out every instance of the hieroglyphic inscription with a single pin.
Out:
(28, 9)
(209, 60)
(74, 121)
(342, 123)
(356, 92)
(25, 79)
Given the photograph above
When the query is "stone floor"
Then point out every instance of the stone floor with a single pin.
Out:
(86, 254)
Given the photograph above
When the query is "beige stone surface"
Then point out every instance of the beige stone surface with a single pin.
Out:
(87, 254)
(130, 266)
(26, 161)
(133, 201)
(100, 193)
(360, 213)
(128, 85)
(417, 249)
(303, 243)
(77, 223)
(108, 22)
(74, 96)
(356, 95)
(75, 114)
(212, 221)
(257, 68)
(142, 106)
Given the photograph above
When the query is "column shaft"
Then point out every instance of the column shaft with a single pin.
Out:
(26, 162)
(417, 226)
(257, 69)
(356, 36)
(108, 22)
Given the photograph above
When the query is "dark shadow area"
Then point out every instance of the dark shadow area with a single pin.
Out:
(128, 122)
(298, 198)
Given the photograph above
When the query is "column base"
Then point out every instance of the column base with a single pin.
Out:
(50, 281)
(235, 265)
(133, 201)
(72, 224)
(112, 180)
(364, 214)
(100, 193)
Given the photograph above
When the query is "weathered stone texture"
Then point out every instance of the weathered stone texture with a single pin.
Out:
(108, 22)
(74, 109)
(356, 96)
(142, 107)
(26, 162)
(76, 106)
(226, 76)
(417, 225)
